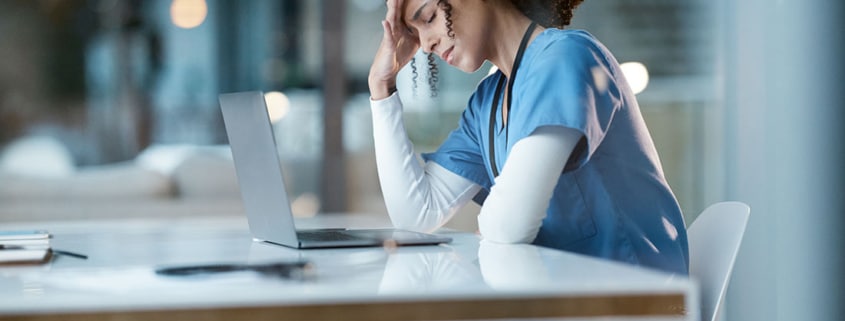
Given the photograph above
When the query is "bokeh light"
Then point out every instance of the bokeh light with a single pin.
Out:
(188, 14)
(278, 105)
(637, 76)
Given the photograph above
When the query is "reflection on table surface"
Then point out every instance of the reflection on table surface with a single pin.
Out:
(125, 256)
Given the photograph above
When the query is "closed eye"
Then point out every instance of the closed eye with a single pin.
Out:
(433, 16)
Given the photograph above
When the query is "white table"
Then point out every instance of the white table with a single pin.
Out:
(466, 279)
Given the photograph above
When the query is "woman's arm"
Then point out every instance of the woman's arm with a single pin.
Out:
(517, 204)
(417, 198)
(424, 198)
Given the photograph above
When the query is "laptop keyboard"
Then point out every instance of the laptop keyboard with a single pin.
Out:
(323, 236)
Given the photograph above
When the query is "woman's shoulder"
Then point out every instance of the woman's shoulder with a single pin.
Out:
(553, 37)
(556, 45)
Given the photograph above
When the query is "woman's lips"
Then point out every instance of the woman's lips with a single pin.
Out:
(447, 55)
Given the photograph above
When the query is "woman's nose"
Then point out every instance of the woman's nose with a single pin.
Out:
(428, 44)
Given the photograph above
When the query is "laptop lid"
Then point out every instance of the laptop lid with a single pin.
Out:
(263, 191)
(258, 167)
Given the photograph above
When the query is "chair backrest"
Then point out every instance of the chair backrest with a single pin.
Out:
(714, 239)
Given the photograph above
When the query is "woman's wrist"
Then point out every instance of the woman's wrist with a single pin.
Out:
(382, 89)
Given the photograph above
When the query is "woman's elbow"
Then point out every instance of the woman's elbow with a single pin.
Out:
(404, 222)
(500, 232)
(506, 238)
(413, 221)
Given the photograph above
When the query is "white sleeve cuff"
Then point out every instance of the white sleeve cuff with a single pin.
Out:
(390, 102)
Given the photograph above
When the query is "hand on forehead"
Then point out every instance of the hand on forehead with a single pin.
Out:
(401, 12)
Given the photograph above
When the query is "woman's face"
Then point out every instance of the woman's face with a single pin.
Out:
(427, 21)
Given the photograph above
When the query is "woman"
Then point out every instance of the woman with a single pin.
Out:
(552, 145)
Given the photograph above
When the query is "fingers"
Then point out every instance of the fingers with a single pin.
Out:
(398, 43)
(394, 10)
(394, 17)
(388, 34)
(395, 37)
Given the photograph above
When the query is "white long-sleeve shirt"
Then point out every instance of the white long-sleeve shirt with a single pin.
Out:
(423, 197)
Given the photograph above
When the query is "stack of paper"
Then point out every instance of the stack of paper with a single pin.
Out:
(24, 247)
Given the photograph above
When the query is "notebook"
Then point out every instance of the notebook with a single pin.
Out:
(263, 191)
(24, 247)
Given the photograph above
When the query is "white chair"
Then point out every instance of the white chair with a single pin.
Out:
(714, 239)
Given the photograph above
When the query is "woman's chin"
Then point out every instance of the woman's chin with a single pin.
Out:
(468, 67)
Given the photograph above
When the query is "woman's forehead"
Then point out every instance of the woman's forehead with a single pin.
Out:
(413, 8)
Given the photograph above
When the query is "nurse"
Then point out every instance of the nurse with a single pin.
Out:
(553, 144)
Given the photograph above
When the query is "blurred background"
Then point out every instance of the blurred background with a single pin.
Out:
(108, 109)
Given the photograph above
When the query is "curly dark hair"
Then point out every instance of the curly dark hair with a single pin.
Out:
(433, 72)
(547, 13)
(432, 63)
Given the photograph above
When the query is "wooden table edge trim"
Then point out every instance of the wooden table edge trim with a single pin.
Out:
(664, 305)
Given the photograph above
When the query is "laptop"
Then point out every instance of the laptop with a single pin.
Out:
(265, 198)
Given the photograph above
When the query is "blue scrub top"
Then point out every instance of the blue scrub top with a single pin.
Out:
(612, 200)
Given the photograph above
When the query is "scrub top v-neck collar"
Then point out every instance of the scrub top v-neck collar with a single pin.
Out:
(498, 125)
